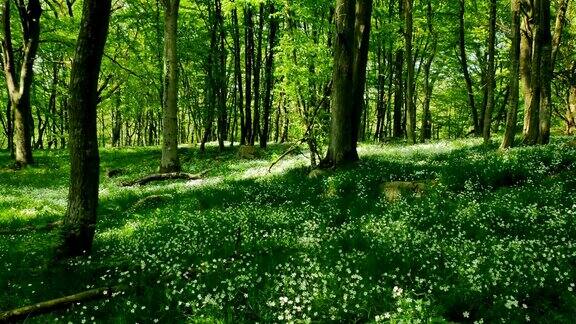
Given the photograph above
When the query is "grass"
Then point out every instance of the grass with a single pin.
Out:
(492, 239)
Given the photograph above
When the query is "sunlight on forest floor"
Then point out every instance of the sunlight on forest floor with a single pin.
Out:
(490, 238)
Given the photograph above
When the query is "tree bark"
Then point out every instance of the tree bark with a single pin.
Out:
(512, 115)
(490, 73)
(532, 111)
(410, 107)
(350, 59)
(269, 79)
(221, 78)
(426, 131)
(170, 161)
(397, 129)
(20, 85)
(550, 51)
(465, 71)
(571, 111)
(546, 71)
(249, 64)
(80, 221)
(257, 70)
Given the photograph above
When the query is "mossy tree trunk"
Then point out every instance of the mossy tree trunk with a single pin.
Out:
(20, 84)
(80, 220)
(170, 161)
(512, 115)
(350, 59)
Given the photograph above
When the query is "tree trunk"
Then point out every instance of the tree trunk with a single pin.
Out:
(410, 107)
(221, 78)
(398, 131)
(512, 115)
(426, 131)
(249, 60)
(238, 75)
(257, 70)
(550, 51)
(10, 128)
(546, 71)
(465, 71)
(80, 221)
(532, 111)
(350, 59)
(170, 161)
(269, 79)
(571, 112)
(19, 86)
(490, 73)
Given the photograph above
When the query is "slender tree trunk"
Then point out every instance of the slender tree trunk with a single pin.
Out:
(490, 73)
(512, 115)
(257, 70)
(238, 75)
(465, 71)
(249, 60)
(80, 221)
(20, 85)
(170, 161)
(546, 71)
(398, 131)
(410, 107)
(571, 111)
(426, 131)
(221, 78)
(269, 78)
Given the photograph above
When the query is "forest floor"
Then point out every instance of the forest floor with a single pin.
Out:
(449, 231)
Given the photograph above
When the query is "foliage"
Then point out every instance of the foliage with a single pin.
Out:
(492, 240)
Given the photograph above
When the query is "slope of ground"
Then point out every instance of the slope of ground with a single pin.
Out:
(489, 237)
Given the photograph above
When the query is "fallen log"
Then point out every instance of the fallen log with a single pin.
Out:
(58, 303)
(165, 176)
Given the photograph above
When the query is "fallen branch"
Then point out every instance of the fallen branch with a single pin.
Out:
(25, 230)
(306, 136)
(165, 176)
(290, 150)
(48, 306)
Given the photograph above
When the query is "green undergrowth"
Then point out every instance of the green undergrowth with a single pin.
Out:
(491, 239)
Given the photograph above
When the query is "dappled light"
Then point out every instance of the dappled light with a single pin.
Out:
(274, 161)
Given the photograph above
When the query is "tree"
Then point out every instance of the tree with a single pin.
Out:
(464, 67)
(249, 66)
(20, 83)
(170, 161)
(351, 44)
(512, 115)
(80, 220)
(410, 107)
(426, 130)
(490, 73)
(268, 76)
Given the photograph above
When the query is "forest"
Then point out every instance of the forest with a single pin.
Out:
(298, 161)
